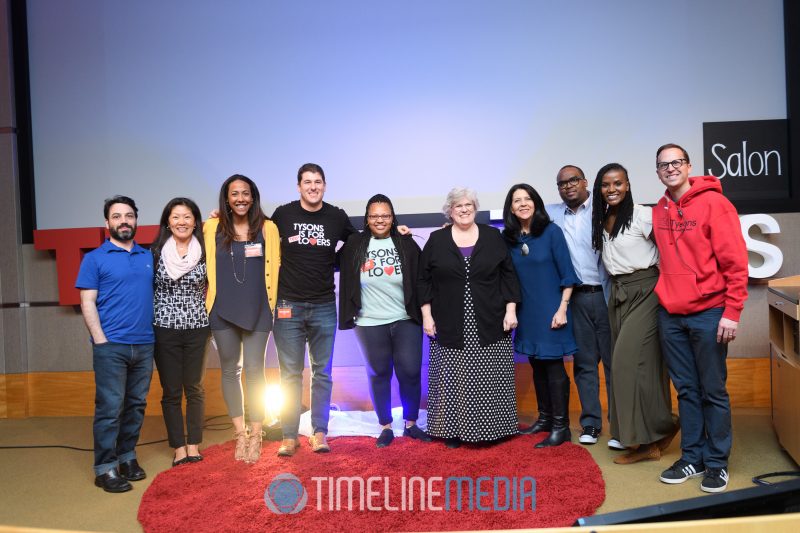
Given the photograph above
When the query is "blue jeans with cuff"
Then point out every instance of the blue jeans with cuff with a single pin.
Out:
(122, 374)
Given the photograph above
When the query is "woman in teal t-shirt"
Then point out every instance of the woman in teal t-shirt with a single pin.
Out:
(377, 296)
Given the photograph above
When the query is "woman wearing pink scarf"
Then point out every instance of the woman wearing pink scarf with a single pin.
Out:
(181, 324)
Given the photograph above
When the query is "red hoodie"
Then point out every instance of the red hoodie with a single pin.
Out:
(703, 255)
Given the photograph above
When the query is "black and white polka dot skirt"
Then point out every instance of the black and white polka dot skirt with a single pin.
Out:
(471, 393)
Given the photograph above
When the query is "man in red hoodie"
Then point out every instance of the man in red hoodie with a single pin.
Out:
(702, 288)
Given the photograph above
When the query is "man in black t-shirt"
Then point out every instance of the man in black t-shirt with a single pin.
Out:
(310, 230)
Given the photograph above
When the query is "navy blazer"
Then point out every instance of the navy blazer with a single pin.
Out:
(493, 281)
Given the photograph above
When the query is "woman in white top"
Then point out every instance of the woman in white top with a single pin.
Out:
(641, 405)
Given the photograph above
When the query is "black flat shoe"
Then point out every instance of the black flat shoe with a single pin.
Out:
(178, 462)
(452, 443)
(386, 437)
(415, 433)
(111, 481)
(194, 458)
(131, 470)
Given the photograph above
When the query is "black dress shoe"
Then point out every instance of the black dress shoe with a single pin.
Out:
(386, 437)
(111, 481)
(194, 458)
(415, 433)
(131, 470)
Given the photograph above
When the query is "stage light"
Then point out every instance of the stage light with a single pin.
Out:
(273, 400)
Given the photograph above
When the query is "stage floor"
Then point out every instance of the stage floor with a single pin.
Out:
(53, 488)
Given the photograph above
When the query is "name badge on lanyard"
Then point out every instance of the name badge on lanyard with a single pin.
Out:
(284, 310)
(253, 250)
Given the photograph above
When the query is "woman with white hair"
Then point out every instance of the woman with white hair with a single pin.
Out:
(468, 292)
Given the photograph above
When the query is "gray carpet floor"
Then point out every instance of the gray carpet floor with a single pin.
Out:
(53, 488)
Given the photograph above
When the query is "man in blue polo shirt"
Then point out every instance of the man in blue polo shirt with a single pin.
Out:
(116, 283)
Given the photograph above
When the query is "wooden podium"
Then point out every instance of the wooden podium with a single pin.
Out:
(784, 312)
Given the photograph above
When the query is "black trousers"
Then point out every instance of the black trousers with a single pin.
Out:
(180, 356)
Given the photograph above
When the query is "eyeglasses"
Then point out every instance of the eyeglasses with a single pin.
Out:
(571, 182)
(676, 164)
(379, 217)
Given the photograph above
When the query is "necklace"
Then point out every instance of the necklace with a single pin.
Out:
(244, 267)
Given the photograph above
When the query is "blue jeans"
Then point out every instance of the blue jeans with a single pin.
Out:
(122, 375)
(697, 366)
(593, 337)
(395, 346)
(314, 324)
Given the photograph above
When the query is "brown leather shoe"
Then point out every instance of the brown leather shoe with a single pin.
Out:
(319, 443)
(664, 442)
(288, 448)
(645, 452)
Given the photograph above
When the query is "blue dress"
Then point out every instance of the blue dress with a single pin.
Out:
(542, 274)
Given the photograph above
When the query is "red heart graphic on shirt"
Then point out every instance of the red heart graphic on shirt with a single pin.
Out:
(312, 242)
(389, 270)
(368, 265)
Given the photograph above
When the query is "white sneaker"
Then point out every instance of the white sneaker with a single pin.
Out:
(589, 435)
(614, 444)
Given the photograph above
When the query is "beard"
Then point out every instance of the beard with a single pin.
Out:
(123, 232)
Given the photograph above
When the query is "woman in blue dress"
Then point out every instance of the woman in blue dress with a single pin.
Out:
(544, 333)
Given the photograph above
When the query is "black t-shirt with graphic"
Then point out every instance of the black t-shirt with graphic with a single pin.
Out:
(308, 250)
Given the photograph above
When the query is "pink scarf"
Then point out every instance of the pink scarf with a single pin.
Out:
(176, 265)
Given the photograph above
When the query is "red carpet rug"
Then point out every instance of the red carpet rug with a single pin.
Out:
(418, 479)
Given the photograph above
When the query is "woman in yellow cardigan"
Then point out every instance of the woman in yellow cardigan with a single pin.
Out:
(243, 259)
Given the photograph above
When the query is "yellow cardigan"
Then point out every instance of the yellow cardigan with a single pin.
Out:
(272, 258)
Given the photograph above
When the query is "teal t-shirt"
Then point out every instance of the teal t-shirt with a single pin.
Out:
(382, 300)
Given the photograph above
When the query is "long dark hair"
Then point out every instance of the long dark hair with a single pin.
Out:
(360, 255)
(600, 208)
(512, 228)
(164, 232)
(255, 215)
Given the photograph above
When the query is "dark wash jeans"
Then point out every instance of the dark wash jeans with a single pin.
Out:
(122, 375)
(314, 324)
(396, 346)
(697, 367)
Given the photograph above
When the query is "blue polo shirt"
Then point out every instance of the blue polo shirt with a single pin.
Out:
(124, 284)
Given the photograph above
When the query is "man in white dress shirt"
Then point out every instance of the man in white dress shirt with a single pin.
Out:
(589, 309)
